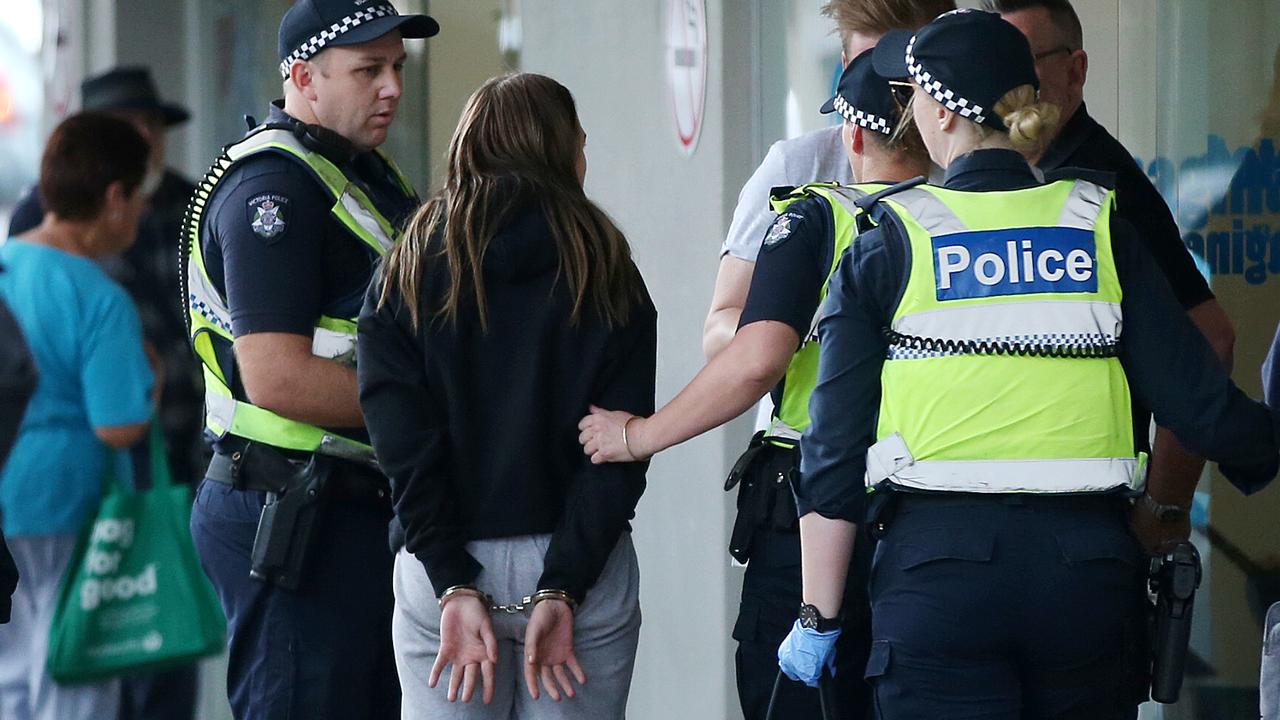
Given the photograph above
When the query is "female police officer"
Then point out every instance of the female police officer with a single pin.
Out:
(998, 324)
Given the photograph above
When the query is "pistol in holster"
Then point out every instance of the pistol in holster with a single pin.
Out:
(765, 497)
(288, 523)
(1173, 580)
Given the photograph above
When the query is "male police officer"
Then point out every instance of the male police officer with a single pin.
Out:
(282, 235)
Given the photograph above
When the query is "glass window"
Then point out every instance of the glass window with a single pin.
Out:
(1200, 107)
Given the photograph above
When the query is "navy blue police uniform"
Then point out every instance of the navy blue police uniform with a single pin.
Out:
(795, 260)
(280, 279)
(1004, 604)
(276, 254)
(790, 270)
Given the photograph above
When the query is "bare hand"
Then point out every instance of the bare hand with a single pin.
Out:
(548, 645)
(602, 438)
(466, 641)
(1155, 536)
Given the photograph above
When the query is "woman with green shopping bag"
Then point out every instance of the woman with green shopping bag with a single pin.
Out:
(94, 390)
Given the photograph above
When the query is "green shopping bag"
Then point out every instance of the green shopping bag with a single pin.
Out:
(134, 596)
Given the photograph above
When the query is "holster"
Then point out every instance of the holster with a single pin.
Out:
(763, 475)
(1174, 579)
(288, 523)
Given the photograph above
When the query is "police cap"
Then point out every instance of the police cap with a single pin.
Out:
(313, 25)
(965, 59)
(864, 98)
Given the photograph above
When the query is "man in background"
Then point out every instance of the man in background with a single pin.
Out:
(1057, 42)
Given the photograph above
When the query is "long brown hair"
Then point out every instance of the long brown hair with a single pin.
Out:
(516, 142)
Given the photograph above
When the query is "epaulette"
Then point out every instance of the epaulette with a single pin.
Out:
(866, 202)
(781, 192)
(1097, 177)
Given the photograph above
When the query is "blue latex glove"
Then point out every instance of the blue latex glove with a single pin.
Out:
(804, 653)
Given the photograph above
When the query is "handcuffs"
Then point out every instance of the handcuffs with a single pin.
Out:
(525, 604)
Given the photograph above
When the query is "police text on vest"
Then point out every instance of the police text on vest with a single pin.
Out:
(1016, 261)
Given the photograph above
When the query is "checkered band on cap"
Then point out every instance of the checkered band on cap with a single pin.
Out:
(316, 43)
(964, 107)
(860, 117)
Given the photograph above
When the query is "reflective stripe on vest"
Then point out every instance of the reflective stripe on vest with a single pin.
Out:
(891, 459)
(974, 388)
(802, 371)
(333, 338)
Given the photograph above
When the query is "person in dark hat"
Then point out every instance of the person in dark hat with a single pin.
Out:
(773, 347)
(281, 236)
(978, 351)
(149, 271)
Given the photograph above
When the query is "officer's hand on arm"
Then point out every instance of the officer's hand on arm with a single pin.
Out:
(281, 374)
(548, 643)
(733, 381)
(730, 296)
(466, 642)
(610, 436)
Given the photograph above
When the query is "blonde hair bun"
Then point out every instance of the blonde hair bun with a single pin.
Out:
(1030, 122)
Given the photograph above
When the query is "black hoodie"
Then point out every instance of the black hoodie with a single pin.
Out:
(477, 431)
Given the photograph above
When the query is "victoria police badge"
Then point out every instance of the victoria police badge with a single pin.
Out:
(782, 229)
(266, 216)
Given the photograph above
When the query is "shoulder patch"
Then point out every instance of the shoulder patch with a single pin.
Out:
(782, 228)
(268, 215)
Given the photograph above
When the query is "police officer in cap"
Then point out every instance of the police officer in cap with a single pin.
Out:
(979, 347)
(774, 347)
(282, 234)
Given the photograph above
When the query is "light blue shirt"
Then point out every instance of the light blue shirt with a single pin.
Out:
(86, 339)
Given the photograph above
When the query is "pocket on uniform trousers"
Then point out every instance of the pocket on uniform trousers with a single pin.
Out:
(1091, 544)
(878, 660)
(938, 544)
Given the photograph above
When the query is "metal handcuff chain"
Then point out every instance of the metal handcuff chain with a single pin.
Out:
(947, 346)
(524, 605)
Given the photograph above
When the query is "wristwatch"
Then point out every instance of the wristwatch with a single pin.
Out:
(812, 619)
(1163, 513)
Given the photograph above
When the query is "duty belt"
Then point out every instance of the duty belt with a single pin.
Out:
(262, 468)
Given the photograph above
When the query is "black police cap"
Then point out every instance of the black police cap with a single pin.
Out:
(313, 25)
(864, 98)
(965, 59)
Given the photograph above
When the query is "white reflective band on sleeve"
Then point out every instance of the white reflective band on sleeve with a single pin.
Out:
(334, 345)
(891, 460)
(1028, 318)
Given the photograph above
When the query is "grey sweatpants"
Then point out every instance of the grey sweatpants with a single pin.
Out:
(606, 628)
(27, 692)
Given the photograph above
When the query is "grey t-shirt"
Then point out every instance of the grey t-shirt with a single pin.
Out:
(816, 156)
